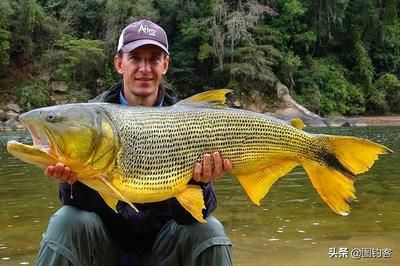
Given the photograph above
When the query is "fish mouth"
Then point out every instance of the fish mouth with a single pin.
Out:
(42, 152)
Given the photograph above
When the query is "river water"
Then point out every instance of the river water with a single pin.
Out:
(291, 227)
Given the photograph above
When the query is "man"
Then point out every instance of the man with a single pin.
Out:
(87, 232)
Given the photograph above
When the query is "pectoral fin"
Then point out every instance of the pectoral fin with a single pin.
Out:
(110, 201)
(257, 184)
(191, 198)
(108, 192)
(117, 193)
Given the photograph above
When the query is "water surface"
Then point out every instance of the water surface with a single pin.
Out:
(291, 227)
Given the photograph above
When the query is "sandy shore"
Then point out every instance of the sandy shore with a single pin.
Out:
(379, 120)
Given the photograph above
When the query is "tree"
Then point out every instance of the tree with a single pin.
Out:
(5, 34)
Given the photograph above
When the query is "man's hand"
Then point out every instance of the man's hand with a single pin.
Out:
(206, 172)
(61, 173)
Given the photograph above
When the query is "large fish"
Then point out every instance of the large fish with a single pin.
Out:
(147, 154)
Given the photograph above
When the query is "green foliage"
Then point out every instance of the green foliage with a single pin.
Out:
(78, 62)
(205, 51)
(5, 34)
(335, 92)
(363, 70)
(252, 68)
(387, 87)
(289, 65)
(387, 54)
(34, 31)
(336, 56)
(33, 94)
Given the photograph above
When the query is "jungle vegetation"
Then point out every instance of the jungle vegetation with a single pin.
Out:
(335, 56)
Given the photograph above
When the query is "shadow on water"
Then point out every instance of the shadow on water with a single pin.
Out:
(291, 227)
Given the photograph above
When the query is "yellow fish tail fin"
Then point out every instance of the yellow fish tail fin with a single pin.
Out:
(257, 184)
(334, 187)
(191, 198)
(356, 154)
(344, 158)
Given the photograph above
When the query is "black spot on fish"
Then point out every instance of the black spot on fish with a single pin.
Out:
(333, 162)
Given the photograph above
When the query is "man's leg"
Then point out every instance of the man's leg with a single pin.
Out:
(76, 237)
(196, 244)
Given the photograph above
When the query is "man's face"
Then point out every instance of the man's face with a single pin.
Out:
(142, 70)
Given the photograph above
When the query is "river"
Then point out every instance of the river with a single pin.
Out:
(291, 227)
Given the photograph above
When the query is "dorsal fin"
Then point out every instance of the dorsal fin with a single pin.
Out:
(297, 123)
(211, 97)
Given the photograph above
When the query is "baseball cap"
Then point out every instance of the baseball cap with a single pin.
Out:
(140, 33)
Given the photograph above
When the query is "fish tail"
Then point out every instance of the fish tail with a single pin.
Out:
(343, 158)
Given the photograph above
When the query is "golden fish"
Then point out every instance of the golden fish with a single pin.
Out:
(147, 154)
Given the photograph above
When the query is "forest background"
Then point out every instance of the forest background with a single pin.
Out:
(335, 56)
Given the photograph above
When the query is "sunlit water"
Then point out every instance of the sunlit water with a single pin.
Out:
(291, 227)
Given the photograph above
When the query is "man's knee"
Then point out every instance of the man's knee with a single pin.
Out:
(195, 244)
(213, 228)
(208, 238)
(76, 237)
(70, 220)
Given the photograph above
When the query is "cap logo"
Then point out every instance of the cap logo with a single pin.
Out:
(146, 30)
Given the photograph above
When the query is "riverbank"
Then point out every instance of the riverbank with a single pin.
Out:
(9, 119)
(379, 120)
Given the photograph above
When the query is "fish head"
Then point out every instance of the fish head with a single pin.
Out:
(79, 135)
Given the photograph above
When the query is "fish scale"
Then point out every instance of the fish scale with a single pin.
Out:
(166, 147)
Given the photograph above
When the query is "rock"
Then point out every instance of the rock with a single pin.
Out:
(59, 98)
(314, 122)
(13, 124)
(3, 116)
(354, 122)
(59, 86)
(14, 107)
(19, 127)
(236, 104)
(10, 122)
(338, 122)
(11, 115)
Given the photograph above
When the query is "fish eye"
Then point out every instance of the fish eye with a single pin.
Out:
(51, 117)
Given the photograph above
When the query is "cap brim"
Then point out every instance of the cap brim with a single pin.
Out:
(133, 45)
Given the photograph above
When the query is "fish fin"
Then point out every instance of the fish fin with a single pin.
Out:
(334, 187)
(257, 184)
(212, 97)
(106, 190)
(356, 154)
(345, 158)
(297, 123)
(110, 201)
(117, 192)
(191, 199)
